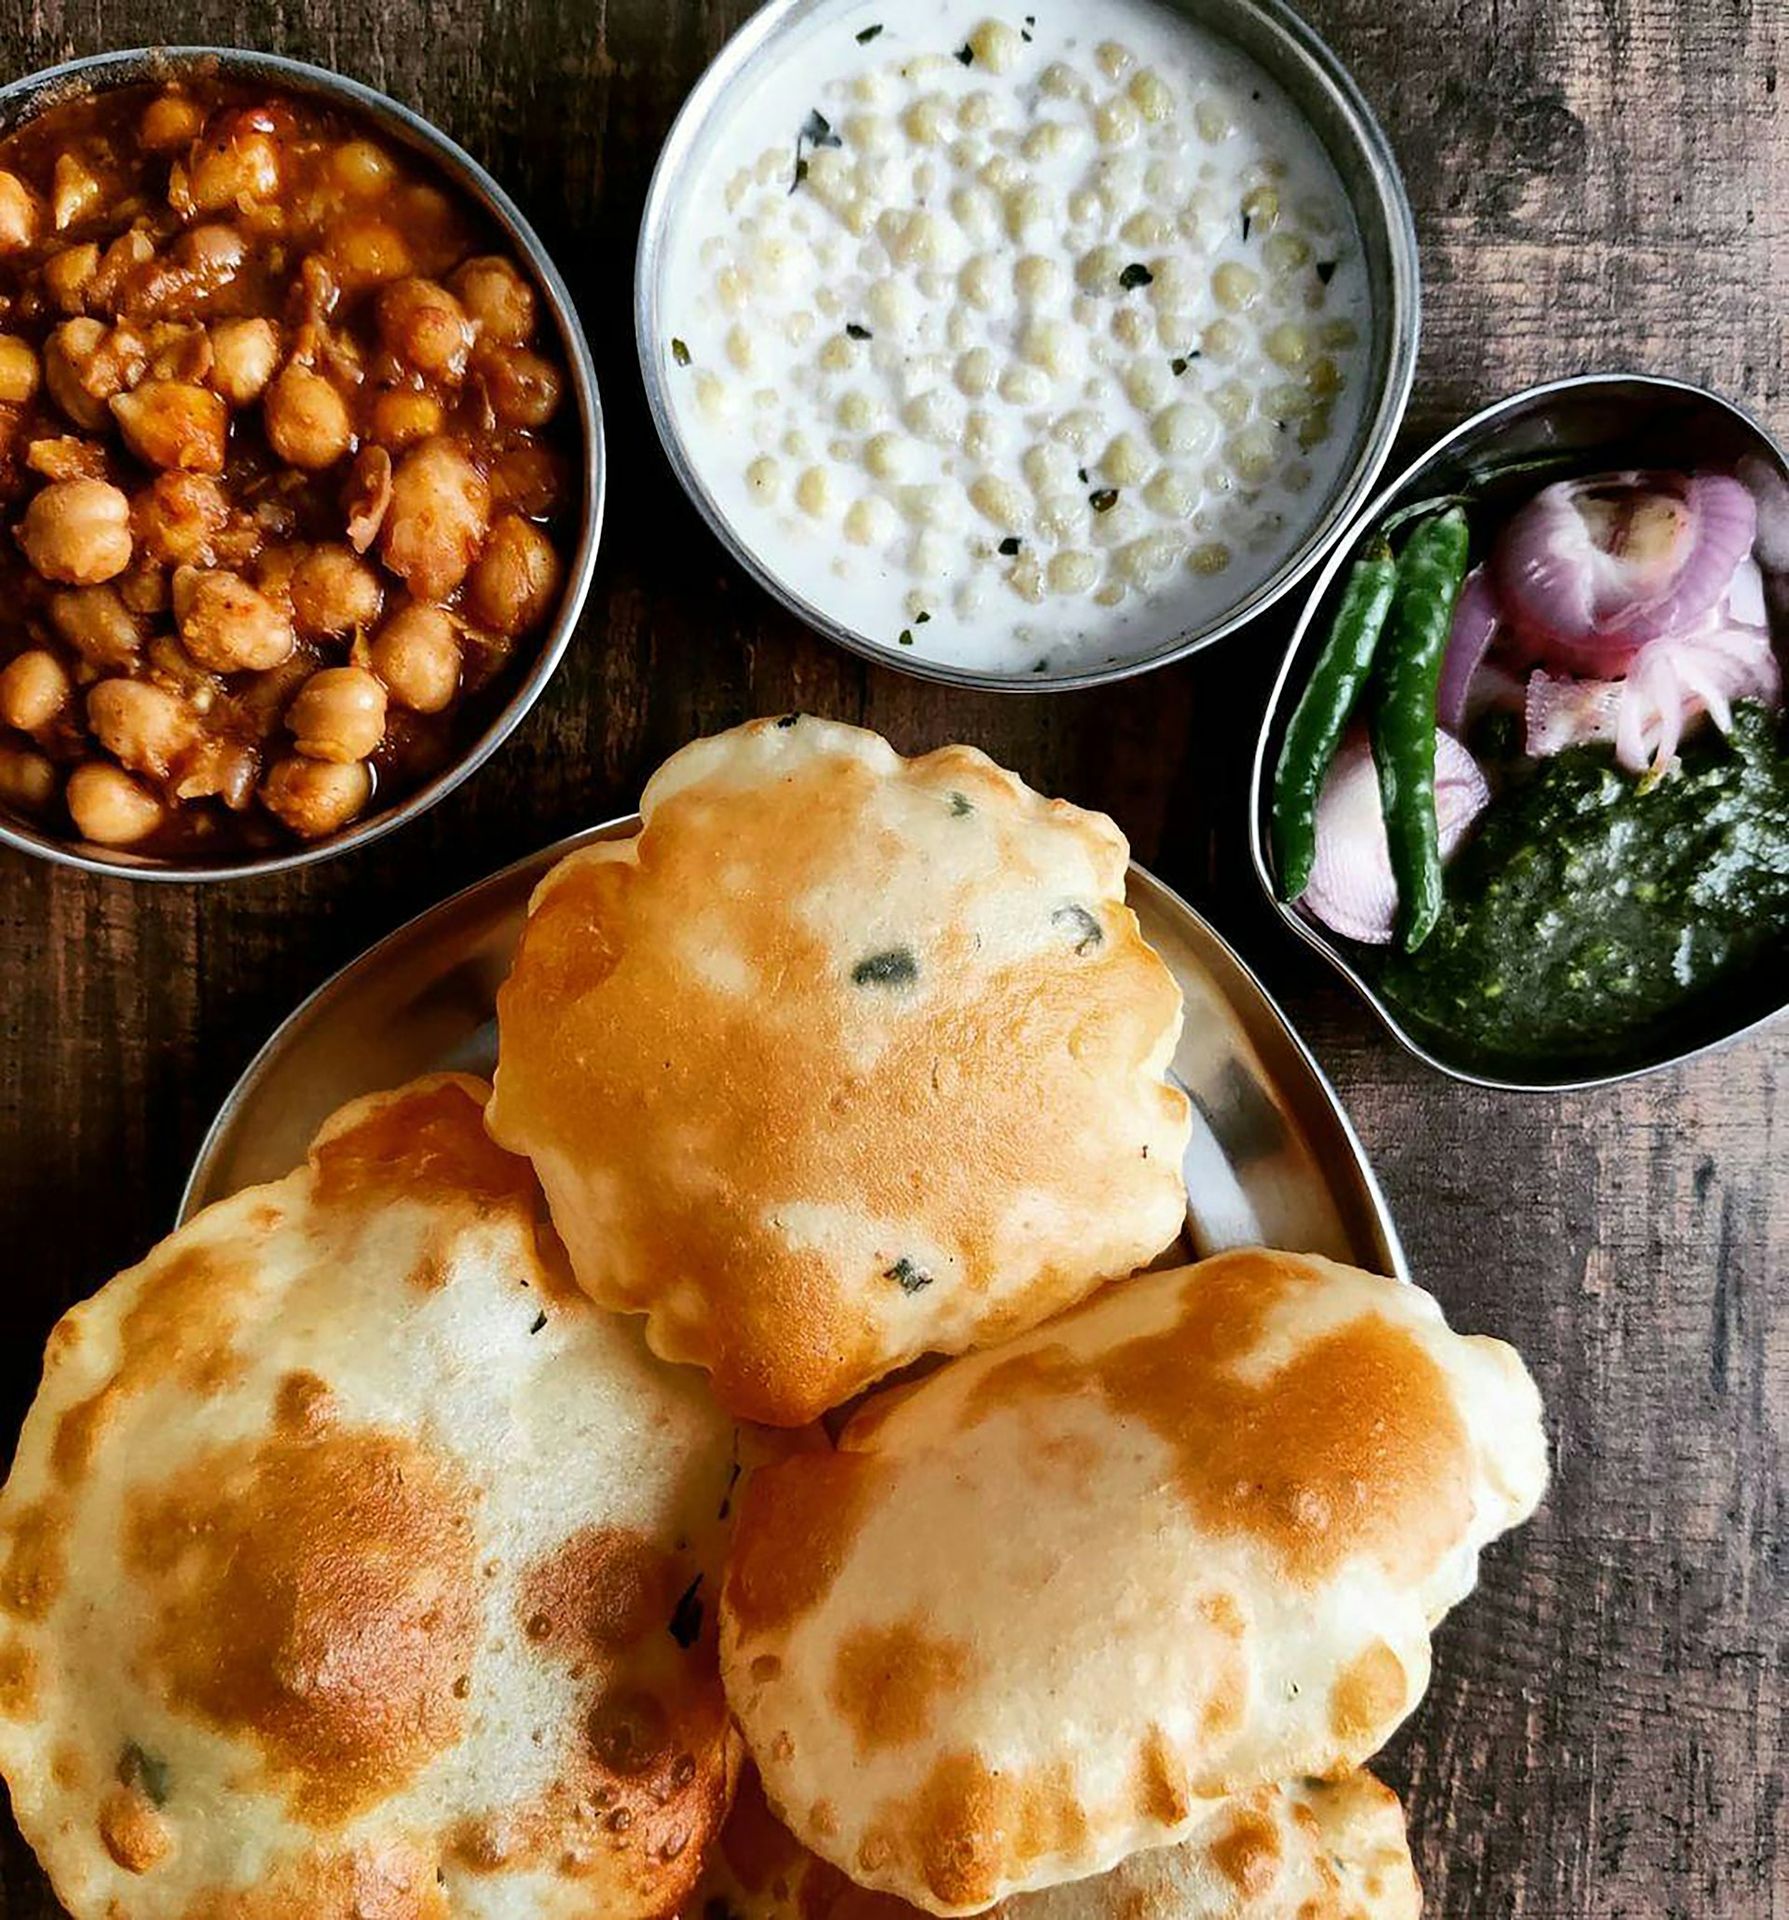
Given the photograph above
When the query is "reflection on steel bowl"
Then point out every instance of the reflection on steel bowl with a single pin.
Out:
(299, 455)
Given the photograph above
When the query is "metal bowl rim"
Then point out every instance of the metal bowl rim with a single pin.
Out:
(1400, 324)
(130, 65)
(317, 1001)
(1314, 936)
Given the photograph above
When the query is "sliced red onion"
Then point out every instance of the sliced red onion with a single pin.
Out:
(1727, 524)
(1474, 628)
(1649, 722)
(1562, 712)
(1351, 889)
(1671, 683)
(1700, 680)
(1590, 570)
(1727, 662)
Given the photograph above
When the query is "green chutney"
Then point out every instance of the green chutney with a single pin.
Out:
(1592, 908)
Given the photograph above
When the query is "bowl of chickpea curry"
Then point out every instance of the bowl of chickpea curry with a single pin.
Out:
(301, 464)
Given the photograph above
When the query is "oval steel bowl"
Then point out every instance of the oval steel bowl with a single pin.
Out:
(1582, 425)
(1317, 83)
(36, 93)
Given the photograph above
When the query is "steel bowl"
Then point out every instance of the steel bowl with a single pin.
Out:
(37, 92)
(1316, 82)
(1583, 425)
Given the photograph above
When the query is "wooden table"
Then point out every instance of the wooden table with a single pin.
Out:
(1597, 183)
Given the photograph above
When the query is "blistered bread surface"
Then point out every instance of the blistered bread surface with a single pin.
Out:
(354, 1567)
(1313, 1850)
(1185, 1541)
(842, 1059)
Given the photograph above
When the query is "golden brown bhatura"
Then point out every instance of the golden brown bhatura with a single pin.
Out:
(1312, 1850)
(1185, 1541)
(842, 1059)
(353, 1566)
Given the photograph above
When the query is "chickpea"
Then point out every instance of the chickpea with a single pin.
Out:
(530, 479)
(109, 807)
(172, 423)
(169, 122)
(33, 690)
(339, 715)
(306, 419)
(425, 327)
(333, 592)
(141, 724)
(417, 654)
(131, 250)
(69, 357)
(218, 766)
(362, 168)
(401, 418)
(27, 780)
(524, 388)
(366, 250)
(19, 215)
(498, 300)
(236, 162)
(75, 192)
(78, 532)
(513, 582)
(431, 222)
(18, 370)
(177, 516)
(274, 571)
(209, 256)
(118, 360)
(66, 457)
(244, 354)
(97, 624)
(142, 590)
(440, 508)
(315, 797)
(178, 350)
(168, 664)
(228, 625)
(71, 277)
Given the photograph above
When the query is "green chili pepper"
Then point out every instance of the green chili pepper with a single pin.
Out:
(1324, 709)
(1430, 571)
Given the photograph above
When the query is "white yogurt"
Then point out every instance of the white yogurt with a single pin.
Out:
(1027, 342)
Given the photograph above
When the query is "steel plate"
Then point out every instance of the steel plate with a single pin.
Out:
(1273, 1159)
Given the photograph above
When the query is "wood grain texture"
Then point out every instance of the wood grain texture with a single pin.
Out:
(1597, 183)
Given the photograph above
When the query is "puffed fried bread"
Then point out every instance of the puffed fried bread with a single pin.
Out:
(842, 1059)
(1185, 1541)
(1312, 1850)
(352, 1564)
